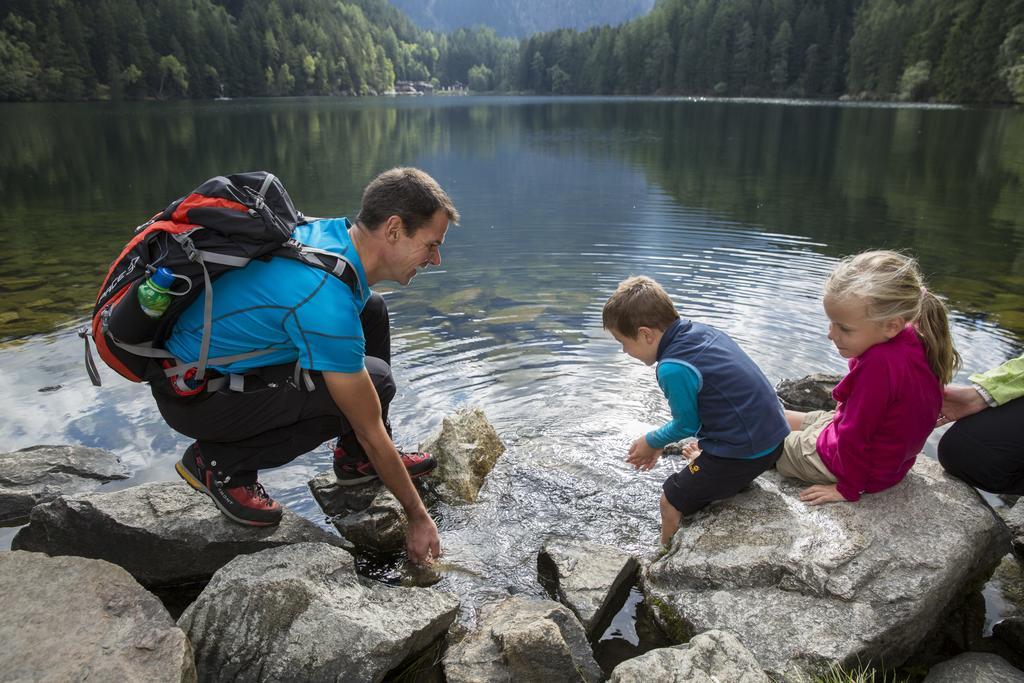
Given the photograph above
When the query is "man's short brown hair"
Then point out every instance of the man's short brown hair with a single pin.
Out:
(408, 193)
(638, 302)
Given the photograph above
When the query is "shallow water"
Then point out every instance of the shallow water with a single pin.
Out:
(739, 209)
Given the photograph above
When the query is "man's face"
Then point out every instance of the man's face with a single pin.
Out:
(419, 250)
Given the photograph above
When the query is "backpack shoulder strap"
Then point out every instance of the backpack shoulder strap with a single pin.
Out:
(328, 261)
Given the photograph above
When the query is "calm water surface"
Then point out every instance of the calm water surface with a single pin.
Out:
(740, 209)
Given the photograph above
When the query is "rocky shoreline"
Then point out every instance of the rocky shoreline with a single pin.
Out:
(755, 588)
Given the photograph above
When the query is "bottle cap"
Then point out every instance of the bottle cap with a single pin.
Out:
(163, 278)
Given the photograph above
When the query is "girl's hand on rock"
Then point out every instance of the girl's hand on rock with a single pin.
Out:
(819, 494)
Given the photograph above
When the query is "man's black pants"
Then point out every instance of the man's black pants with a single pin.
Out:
(987, 449)
(274, 421)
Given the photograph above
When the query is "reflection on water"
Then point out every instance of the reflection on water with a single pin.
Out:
(739, 209)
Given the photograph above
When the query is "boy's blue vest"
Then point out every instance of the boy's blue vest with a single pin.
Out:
(740, 415)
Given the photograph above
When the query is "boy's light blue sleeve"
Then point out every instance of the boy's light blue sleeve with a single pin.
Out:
(680, 382)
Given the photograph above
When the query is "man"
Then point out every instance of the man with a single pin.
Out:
(337, 331)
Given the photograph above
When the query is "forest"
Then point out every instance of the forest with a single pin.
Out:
(961, 51)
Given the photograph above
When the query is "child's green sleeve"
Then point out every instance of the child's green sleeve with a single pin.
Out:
(1004, 383)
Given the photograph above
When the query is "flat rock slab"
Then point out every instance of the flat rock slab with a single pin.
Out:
(164, 534)
(523, 640)
(592, 580)
(75, 619)
(42, 473)
(805, 587)
(813, 392)
(300, 613)
(975, 666)
(711, 657)
(466, 448)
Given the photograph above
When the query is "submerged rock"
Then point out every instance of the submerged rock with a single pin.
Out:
(590, 579)
(164, 534)
(75, 619)
(300, 613)
(813, 392)
(466, 449)
(975, 666)
(711, 657)
(522, 640)
(40, 474)
(805, 587)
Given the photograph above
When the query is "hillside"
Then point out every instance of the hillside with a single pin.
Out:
(520, 18)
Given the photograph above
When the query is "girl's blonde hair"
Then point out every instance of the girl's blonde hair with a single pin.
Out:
(892, 286)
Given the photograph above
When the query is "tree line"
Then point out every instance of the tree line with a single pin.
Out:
(941, 50)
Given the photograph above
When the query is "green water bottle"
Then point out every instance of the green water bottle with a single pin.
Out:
(154, 294)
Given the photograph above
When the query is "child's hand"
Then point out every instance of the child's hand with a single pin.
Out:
(690, 451)
(642, 456)
(820, 494)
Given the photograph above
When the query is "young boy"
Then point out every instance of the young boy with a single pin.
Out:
(715, 392)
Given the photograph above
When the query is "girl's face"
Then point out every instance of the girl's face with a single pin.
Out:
(851, 331)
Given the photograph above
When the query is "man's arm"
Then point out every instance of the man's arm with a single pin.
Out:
(355, 396)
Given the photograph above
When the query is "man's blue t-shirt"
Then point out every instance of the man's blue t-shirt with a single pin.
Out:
(302, 312)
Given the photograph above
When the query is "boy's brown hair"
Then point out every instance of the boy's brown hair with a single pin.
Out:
(638, 302)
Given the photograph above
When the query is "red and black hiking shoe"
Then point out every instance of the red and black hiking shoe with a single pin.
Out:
(352, 471)
(247, 504)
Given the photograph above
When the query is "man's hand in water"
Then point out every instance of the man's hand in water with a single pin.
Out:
(958, 402)
(422, 544)
(642, 456)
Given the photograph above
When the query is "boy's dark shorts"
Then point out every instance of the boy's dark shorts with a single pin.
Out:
(710, 478)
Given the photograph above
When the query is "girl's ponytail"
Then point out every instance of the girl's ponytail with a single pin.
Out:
(933, 327)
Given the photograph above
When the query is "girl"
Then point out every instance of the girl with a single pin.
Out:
(896, 336)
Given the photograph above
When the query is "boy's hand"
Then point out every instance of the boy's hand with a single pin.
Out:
(642, 456)
(690, 451)
(820, 494)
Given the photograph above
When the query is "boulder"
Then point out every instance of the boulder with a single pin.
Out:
(466, 449)
(1014, 518)
(806, 587)
(975, 666)
(1010, 632)
(711, 657)
(164, 534)
(75, 619)
(813, 392)
(523, 640)
(368, 516)
(300, 613)
(42, 473)
(592, 580)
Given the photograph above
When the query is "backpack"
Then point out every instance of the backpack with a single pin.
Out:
(220, 226)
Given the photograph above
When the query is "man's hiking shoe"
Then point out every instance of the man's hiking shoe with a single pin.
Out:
(248, 504)
(352, 471)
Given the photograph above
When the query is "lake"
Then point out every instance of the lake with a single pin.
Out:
(739, 208)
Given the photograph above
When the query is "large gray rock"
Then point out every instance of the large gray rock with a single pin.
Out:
(74, 619)
(368, 516)
(42, 473)
(813, 392)
(975, 667)
(1010, 632)
(591, 579)
(466, 449)
(711, 657)
(1015, 521)
(805, 587)
(300, 613)
(522, 640)
(164, 534)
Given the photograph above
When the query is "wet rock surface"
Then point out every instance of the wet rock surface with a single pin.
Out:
(813, 392)
(523, 640)
(76, 619)
(1014, 519)
(301, 613)
(975, 666)
(40, 474)
(163, 534)
(710, 657)
(803, 587)
(466, 448)
(593, 580)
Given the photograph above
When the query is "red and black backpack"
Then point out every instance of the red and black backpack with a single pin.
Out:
(221, 225)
